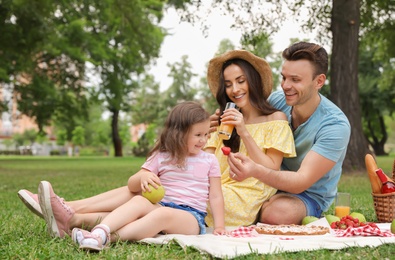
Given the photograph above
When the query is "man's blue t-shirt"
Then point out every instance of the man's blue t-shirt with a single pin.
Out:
(326, 132)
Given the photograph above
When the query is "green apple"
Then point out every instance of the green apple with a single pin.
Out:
(332, 218)
(308, 219)
(155, 195)
(393, 226)
(359, 216)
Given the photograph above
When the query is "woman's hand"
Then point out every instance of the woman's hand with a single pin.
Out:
(234, 117)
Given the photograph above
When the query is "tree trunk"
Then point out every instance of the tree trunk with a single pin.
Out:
(116, 140)
(378, 140)
(344, 77)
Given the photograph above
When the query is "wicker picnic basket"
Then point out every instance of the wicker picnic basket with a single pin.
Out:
(384, 204)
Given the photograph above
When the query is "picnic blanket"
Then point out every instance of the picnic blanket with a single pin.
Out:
(244, 241)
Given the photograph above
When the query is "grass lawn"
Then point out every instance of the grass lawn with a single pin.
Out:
(23, 234)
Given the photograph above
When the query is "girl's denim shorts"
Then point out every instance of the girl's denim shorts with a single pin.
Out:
(199, 215)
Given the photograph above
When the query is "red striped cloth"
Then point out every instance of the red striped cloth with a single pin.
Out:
(243, 232)
(362, 231)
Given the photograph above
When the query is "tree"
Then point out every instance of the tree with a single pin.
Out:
(78, 136)
(30, 136)
(147, 98)
(78, 139)
(124, 39)
(18, 140)
(335, 21)
(61, 137)
(70, 113)
(344, 76)
(48, 45)
(262, 46)
(39, 59)
(181, 88)
(8, 143)
(210, 103)
(376, 101)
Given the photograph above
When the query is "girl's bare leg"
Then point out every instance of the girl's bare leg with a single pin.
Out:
(168, 220)
(103, 202)
(130, 211)
(91, 211)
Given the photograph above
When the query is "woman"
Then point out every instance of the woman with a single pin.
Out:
(261, 132)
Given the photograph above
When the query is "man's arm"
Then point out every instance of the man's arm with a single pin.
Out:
(313, 167)
(214, 121)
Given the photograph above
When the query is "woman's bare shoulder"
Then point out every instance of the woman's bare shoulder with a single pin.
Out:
(278, 115)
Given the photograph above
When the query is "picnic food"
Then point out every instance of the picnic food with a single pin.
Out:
(308, 219)
(387, 186)
(155, 195)
(393, 226)
(359, 216)
(226, 150)
(290, 230)
(371, 168)
(331, 218)
(349, 221)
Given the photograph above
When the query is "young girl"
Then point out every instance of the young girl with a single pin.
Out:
(189, 176)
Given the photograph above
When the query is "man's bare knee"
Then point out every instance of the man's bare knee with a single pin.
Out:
(282, 209)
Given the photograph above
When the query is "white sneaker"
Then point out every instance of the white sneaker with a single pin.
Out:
(88, 241)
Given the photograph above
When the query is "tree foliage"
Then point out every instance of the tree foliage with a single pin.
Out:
(210, 103)
(47, 45)
(377, 94)
(78, 136)
(145, 104)
(181, 88)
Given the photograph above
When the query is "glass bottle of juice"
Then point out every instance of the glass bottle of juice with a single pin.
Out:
(387, 186)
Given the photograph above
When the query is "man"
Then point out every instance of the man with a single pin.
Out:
(307, 184)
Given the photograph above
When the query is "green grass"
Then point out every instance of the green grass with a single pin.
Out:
(23, 235)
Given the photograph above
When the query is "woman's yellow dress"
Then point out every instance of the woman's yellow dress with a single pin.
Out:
(243, 200)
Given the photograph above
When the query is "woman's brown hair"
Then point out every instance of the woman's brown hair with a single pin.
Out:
(256, 96)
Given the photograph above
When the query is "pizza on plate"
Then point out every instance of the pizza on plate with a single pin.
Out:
(290, 230)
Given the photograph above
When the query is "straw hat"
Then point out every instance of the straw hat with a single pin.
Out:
(215, 69)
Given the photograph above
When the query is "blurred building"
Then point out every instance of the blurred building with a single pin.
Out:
(13, 122)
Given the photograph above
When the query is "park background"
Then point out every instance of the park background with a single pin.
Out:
(80, 79)
(89, 75)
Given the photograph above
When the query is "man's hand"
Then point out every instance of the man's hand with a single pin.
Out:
(214, 121)
(241, 166)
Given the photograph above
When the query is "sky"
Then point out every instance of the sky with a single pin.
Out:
(186, 39)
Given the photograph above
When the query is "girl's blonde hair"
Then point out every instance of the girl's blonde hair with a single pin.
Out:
(173, 138)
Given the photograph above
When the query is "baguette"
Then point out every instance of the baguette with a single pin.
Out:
(371, 168)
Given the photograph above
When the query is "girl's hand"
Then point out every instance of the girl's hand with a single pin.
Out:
(220, 231)
(149, 178)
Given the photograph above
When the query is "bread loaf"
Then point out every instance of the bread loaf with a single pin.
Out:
(371, 168)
